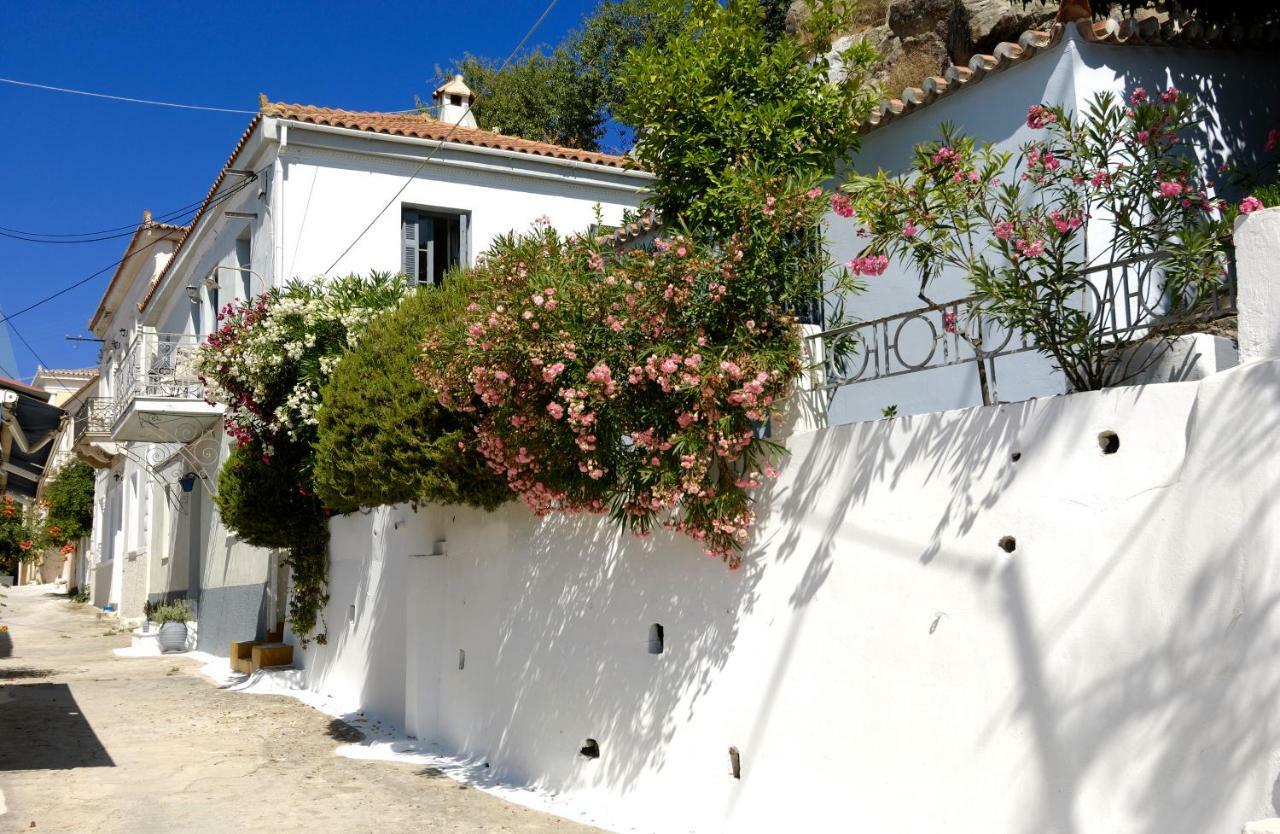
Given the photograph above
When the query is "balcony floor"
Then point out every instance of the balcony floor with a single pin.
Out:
(164, 420)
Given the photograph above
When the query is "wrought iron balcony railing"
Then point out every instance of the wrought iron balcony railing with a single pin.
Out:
(159, 365)
(94, 417)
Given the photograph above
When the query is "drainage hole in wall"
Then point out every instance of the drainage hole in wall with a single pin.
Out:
(591, 749)
(735, 763)
(1015, 457)
(656, 644)
(1109, 442)
(462, 658)
(1008, 544)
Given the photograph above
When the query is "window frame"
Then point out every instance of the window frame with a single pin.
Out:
(463, 219)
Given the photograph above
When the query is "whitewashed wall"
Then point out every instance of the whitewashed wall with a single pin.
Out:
(1239, 88)
(334, 186)
(880, 663)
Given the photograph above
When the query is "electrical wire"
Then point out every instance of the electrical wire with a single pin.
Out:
(128, 99)
(215, 201)
(164, 217)
(23, 339)
(440, 143)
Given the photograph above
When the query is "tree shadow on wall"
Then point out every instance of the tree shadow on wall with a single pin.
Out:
(602, 583)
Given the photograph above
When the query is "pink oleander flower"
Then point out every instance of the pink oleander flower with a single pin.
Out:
(1099, 179)
(769, 203)
(909, 230)
(1250, 204)
(814, 193)
(869, 265)
(1030, 248)
(1138, 96)
(842, 205)
(949, 321)
(944, 155)
(1170, 189)
(1170, 95)
(555, 410)
(1143, 136)
(1039, 116)
(1004, 229)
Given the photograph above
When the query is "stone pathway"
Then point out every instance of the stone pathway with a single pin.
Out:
(92, 742)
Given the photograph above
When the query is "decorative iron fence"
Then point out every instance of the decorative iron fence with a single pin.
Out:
(94, 416)
(160, 365)
(1125, 299)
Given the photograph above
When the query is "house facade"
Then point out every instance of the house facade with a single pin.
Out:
(306, 192)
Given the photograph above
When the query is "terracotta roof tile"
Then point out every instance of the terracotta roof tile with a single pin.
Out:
(1150, 31)
(422, 126)
(648, 222)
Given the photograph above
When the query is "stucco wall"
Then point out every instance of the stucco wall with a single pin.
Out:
(880, 662)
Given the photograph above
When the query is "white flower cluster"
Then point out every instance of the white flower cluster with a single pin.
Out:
(273, 354)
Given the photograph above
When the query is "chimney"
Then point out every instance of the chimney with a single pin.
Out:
(454, 99)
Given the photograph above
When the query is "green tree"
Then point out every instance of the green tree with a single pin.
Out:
(719, 103)
(544, 97)
(69, 496)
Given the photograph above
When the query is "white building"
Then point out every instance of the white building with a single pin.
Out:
(307, 191)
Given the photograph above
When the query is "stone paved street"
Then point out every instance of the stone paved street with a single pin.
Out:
(92, 742)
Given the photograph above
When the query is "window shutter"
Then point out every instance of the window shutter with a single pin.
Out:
(409, 245)
(464, 239)
(427, 231)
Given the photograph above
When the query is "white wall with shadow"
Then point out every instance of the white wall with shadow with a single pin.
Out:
(881, 662)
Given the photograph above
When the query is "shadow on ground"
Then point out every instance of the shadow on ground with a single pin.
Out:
(45, 730)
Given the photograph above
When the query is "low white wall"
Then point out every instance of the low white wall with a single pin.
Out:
(879, 662)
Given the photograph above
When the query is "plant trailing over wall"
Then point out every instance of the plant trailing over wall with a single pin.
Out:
(268, 361)
(382, 437)
(635, 383)
(1017, 228)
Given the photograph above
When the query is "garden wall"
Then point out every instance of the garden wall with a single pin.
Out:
(880, 663)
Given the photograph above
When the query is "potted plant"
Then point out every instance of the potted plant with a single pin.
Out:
(172, 619)
(6, 642)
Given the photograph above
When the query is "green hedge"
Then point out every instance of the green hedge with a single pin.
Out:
(263, 502)
(383, 439)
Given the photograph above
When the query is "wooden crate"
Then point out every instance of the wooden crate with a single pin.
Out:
(242, 655)
(266, 655)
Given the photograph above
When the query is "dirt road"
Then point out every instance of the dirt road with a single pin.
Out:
(92, 742)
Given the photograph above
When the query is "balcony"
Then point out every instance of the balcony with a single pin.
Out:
(92, 432)
(160, 400)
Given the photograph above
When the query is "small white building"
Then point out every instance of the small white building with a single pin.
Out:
(306, 191)
(906, 359)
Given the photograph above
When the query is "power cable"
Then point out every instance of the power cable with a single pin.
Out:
(440, 143)
(129, 99)
(23, 339)
(164, 217)
(221, 198)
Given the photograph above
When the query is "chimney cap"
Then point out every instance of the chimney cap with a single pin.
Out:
(454, 87)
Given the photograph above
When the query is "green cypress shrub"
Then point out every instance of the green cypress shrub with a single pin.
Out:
(265, 503)
(383, 438)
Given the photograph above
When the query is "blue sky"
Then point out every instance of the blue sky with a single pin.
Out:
(71, 164)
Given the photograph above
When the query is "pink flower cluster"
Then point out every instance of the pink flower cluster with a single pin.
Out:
(1039, 116)
(868, 265)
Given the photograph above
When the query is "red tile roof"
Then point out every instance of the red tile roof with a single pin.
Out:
(129, 251)
(1150, 31)
(422, 126)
